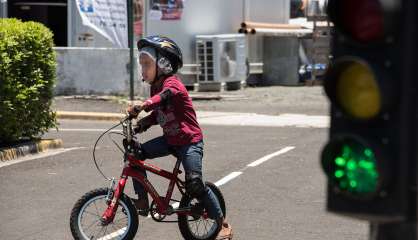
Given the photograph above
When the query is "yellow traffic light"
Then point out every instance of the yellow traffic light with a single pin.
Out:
(357, 91)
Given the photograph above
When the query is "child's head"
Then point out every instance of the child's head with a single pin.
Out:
(159, 56)
(147, 60)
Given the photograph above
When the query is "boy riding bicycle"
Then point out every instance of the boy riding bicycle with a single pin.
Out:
(171, 108)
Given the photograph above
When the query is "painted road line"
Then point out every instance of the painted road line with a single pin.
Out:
(270, 156)
(233, 175)
(227, 178)
(118, 233)
(48, 153)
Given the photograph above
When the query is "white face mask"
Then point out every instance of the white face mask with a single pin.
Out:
(150, 52)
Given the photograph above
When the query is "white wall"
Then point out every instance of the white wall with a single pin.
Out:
(92, 71)
(199, 17)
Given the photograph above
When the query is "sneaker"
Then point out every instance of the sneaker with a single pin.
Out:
(225, 233)
(142, 206)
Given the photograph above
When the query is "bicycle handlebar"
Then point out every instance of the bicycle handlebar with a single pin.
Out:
(128, 132)
(127, 128)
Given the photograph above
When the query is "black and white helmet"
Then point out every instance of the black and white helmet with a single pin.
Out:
(166, 48)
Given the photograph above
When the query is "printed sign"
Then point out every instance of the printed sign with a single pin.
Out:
(138, 12)
(166, 9)
(107, 17)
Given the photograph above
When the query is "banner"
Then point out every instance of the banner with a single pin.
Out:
(138, 11)
(107, 17)
(166, 9)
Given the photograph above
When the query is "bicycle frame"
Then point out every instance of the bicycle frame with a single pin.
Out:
(162, 203)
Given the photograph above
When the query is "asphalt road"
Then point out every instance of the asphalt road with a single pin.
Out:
(282, 198)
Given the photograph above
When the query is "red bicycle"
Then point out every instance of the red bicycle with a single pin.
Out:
(108, 213)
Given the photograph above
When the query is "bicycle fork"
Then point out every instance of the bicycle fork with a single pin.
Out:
(113, 197)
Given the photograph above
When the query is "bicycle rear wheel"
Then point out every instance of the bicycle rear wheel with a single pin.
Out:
(199, 226)
(87, 212)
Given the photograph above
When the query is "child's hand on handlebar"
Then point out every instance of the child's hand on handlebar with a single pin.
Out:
(142, 126)
(134, 110)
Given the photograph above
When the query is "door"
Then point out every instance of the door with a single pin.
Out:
(53, 14)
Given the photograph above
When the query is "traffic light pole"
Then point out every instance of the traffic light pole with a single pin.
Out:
(407, 230)
(131, 49)
(393, 231)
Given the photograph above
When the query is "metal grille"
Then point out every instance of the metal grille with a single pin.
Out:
(204, 50)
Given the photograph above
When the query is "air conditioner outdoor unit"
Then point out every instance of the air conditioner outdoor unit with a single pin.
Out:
(221, 58)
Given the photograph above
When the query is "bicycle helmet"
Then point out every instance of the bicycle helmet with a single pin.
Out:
(166, 48)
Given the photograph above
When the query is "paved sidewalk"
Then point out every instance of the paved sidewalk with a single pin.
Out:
(263, 106)
(274, 100)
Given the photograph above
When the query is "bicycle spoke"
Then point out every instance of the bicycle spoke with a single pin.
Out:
(118, 225)
(198, 224)
(97, 210)
(104, 234)
(91, 225)
(95, 235)
(205, 230)
(100, 231)
(206, 227)
(115, 227)
(121, 217)
(94, 214)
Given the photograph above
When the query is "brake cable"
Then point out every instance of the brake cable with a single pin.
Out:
(94, 149)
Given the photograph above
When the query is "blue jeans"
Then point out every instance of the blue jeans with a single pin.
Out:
(191, 157)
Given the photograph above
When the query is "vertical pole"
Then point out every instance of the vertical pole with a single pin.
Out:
(145, 18)
(393, 231)
(3, 9)
(131, 48)
(408, 229)
(69, 23)
(244, 10)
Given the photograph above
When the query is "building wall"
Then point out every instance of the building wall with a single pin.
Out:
(92, 71)
(218, 17)
(3, 9)
(199, 17)
(268, 11)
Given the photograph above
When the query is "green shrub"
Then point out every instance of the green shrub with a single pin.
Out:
(27, 77)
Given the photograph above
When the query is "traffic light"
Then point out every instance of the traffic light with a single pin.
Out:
(368, 159)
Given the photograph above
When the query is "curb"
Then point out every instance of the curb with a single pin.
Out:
(193, 96)
(7, 154)
(90, 116)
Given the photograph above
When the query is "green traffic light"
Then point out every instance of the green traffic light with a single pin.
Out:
(351, 166)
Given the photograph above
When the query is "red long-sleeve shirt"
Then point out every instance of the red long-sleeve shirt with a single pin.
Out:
(176, 115)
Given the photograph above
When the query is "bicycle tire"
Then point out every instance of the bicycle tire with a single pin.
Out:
(100, 194)
(183, 220)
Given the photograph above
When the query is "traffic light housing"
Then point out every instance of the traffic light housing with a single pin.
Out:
(368, 158)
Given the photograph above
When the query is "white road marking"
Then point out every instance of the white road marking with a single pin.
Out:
(270, 156)
(48, 153)
(233, 175)
(114, 234)
(227, 178)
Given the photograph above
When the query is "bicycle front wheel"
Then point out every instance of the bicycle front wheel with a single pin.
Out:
(85, 220)
(199, 226)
